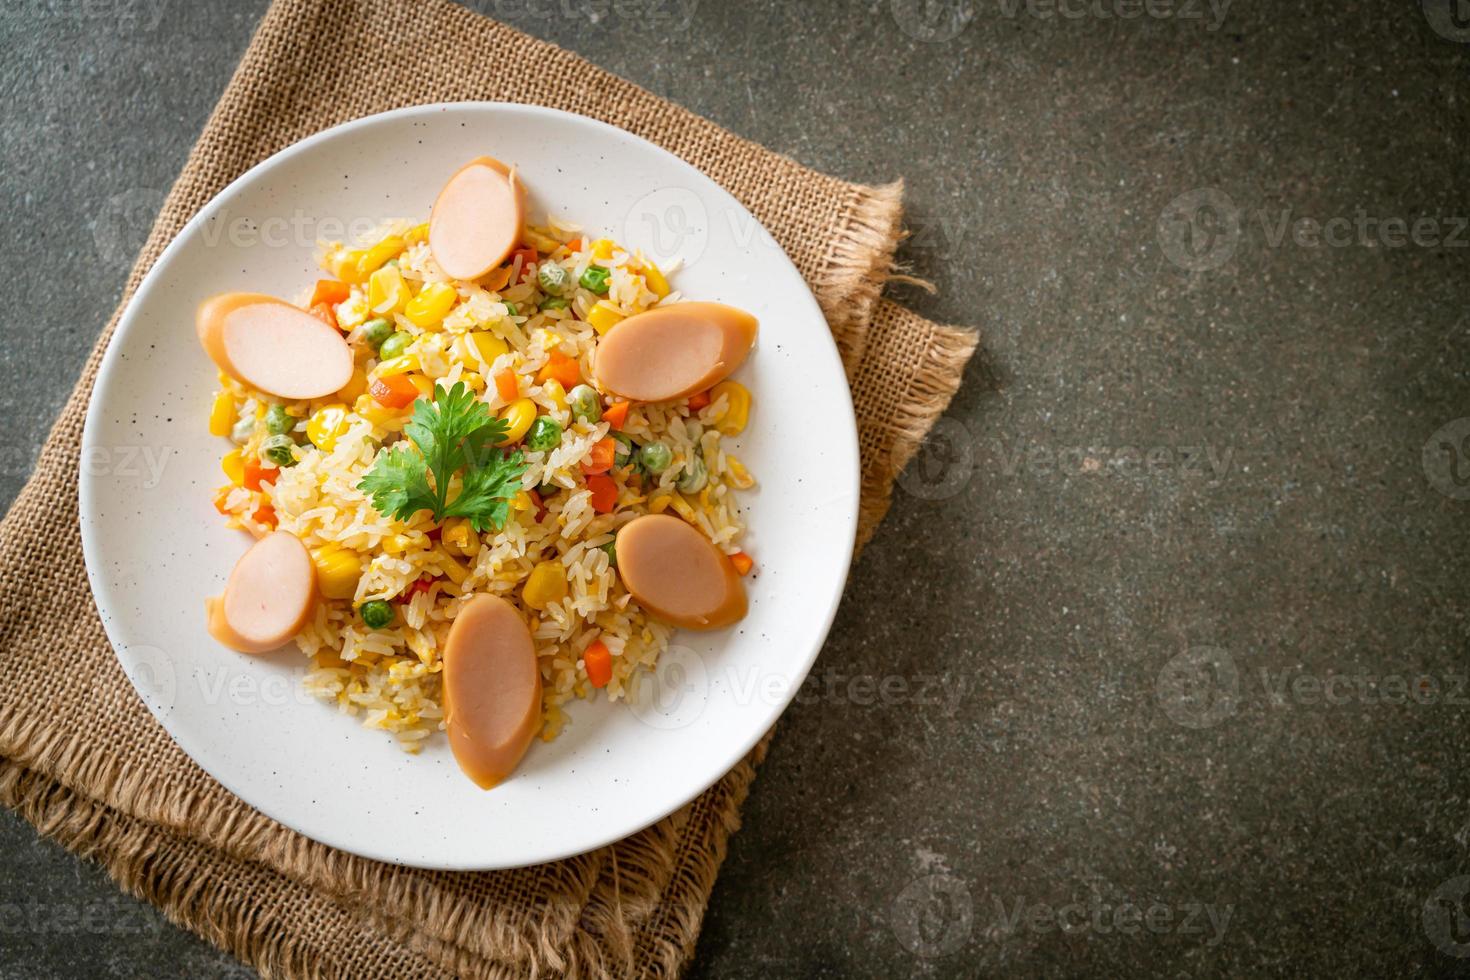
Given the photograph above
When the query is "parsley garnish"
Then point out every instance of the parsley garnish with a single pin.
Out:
(454, 432)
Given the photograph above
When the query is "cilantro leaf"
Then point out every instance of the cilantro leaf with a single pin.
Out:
(484, 492)
(453, 432)
(397, 485)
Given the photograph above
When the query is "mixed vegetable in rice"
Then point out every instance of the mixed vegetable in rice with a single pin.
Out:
(487, 465)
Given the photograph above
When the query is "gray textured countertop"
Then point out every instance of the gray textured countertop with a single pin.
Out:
(1177, 600)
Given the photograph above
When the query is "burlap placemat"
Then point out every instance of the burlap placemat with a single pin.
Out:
(82, 759)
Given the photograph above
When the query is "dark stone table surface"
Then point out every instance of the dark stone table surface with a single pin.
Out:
(1171, 614)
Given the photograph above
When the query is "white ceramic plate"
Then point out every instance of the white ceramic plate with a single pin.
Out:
(156, 548)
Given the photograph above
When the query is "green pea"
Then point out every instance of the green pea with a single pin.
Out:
(585, 403)
(611, 549)
(553, 278)
(395, 345)
(694, 477)
(555, 303)
(512, 310)
(595, 278)
(625, 449)
(376, 613)
(374, 332)
(544, 434)
(279, 449)
(655, 457)
(278, 421)
(546, 490)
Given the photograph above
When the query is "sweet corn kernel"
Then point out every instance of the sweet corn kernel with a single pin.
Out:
(518, 415)
(383, 417)
(344, 262)
(547, 584)
(474, 382)
(423, 384)
(737, 407)
(682, 507)
(602, 248)
(355, 387)
(234, 466)
(459, 538)
(485, 347)
(387, 292)
(433, 303)
(370, 260)
(418, 233)
(740, 477)
(402, 364)
(604, 316)
(397, 544)
(326, 426)
(451, 566)
(222, 414)
(658, 504)
(657, 284)
(337, 571)
(555, 393)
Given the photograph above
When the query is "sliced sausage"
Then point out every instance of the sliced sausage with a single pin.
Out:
(268, 598)
(673, 351)
(678, 575)
(273, 346)
(492, 689)
(477, 219)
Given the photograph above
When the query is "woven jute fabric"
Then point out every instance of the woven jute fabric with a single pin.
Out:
(81, 758)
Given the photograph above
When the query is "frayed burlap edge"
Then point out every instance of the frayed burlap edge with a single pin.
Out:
(247, 835)
(158, 870)
(858, 262)
(932, 383)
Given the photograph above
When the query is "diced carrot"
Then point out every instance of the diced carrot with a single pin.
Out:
(394, 391)
(330, 291)
(617, 415)
(575, 245)
(527, 256)
(601, 457)
(495, 280)
(561, 369)
(539, 504)
(604, 493)
(698, 401)
(255, 475)
(325, 313)
(265, 514)
(219, 499)
(743, 563)
(507, 386)
(597, 658)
